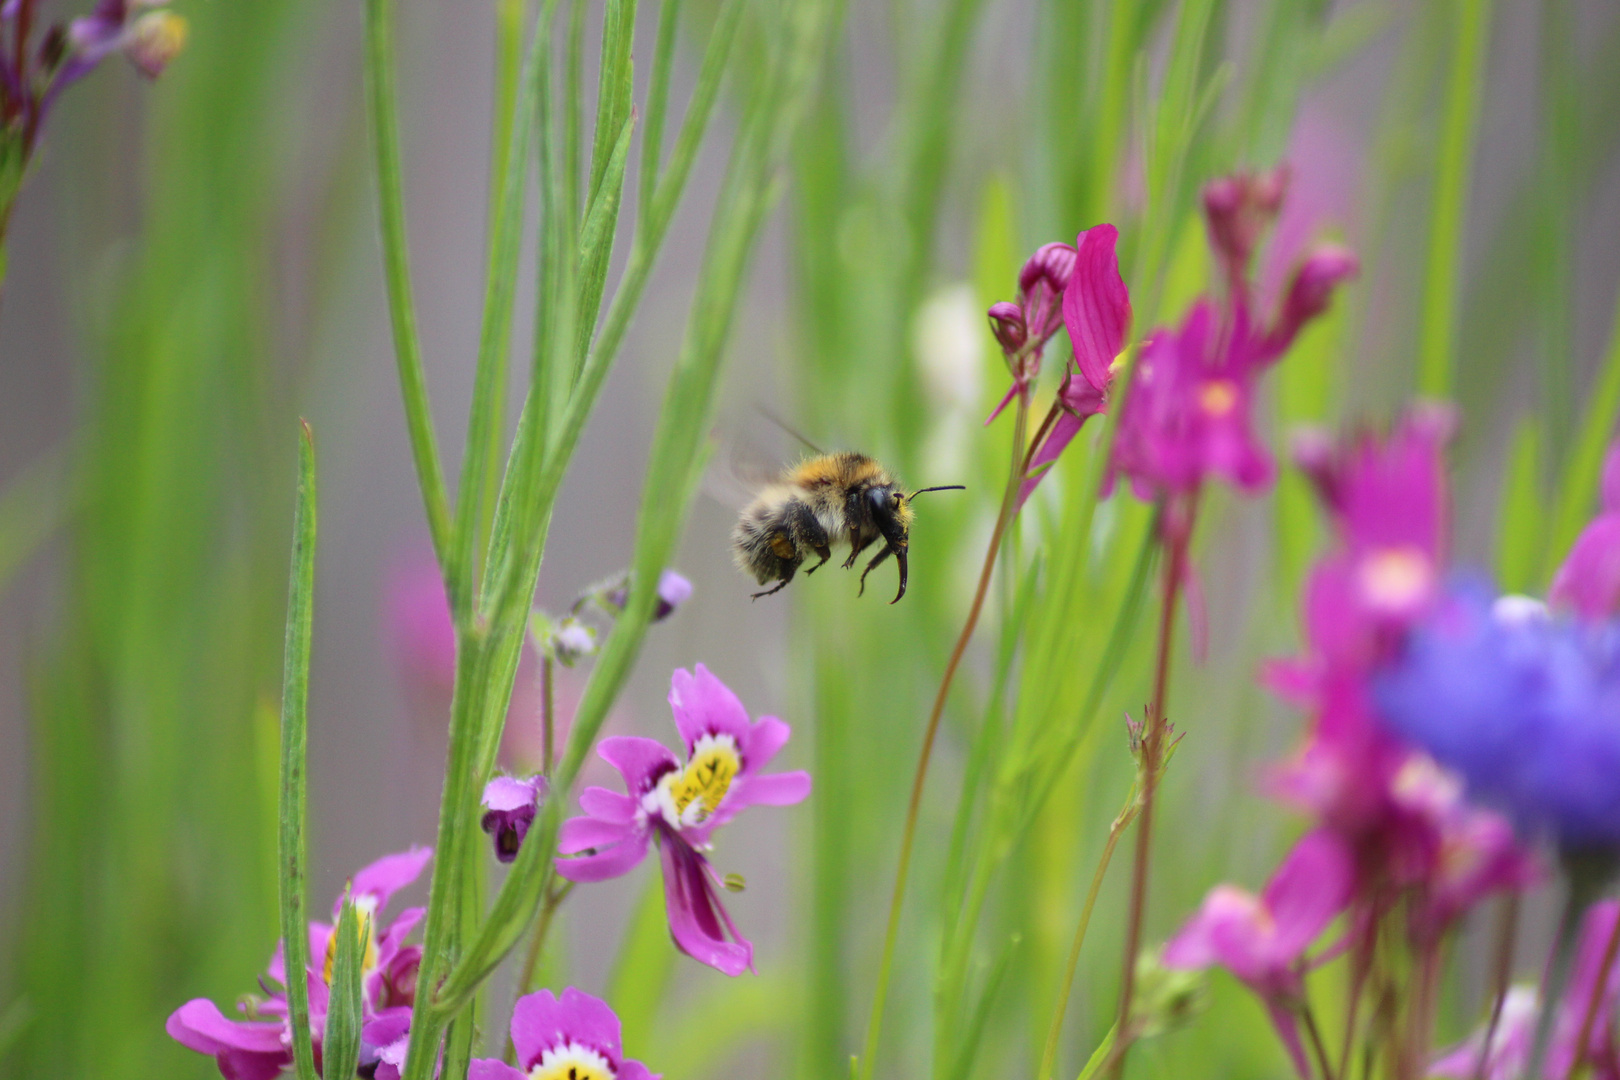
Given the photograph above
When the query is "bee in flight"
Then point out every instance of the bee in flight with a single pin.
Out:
(825, 500)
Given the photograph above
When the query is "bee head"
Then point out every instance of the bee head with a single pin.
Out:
(892, 514)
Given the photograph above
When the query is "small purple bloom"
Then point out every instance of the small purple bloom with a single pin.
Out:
(259, 1047)
(673, 591)
(680, 806)
(1238, 212)
(576, 1037)
(1589, 581)
(1262, 939)
(509, 808)
(1524, 706)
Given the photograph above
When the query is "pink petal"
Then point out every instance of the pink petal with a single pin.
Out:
(1308, 891)
(762, 743)
(582, 833)
(776, 789)
(619, 859)
(607, 805)
(199, 1025)
(541, 1022)
(694, 912)
(1589, 580)
(703, 705)
(640, 761)
(387, 876)
(1096, 305)
(491, 1069)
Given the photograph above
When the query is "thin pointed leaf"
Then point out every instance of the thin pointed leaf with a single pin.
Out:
(294, 734)
(340, 1051)
(652, 133)
(596, 243)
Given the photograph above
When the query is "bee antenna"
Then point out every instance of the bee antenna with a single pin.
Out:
(943, 487)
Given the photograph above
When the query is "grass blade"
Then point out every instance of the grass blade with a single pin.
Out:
(294, 735)
(1578, 487)
(652, 134)
(383, 112)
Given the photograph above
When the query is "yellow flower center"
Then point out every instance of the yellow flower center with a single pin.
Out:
(1218, 397)
(571, 1062)
(365, 909)
(1395, 578)
(698, 789)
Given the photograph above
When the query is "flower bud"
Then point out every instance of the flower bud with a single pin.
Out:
(1312, 288)
(509, 808)
(1238, 210)
(1007, 323)
(155, 39)
(571, 640)
(673, 591)
(1051, 265)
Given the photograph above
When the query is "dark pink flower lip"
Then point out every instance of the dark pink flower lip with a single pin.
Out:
(553, 1033)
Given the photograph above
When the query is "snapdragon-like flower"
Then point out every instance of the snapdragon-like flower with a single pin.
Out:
(260, 1047)
(1262, 939)
(1524, 706)
(1509, 1054)
(1589, 581)
(679, 807)
(510, 805)
(1189, 413)
(572, 1038)
(1097, 315)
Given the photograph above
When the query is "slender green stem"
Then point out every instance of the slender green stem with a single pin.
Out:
(548, 708)
(294, 739)
(1054, 1035)
(1307, 1016)
(1152, 746)
(1009, 505)
(652, 133)
(384, 117)
(1442, 280)
(537, 946)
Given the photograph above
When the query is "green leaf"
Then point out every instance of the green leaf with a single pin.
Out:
(383, 112)
(1099, 1056)
(596, 244)
(294, 734)
(340, 1051)
(652, 134)
(1521, 521)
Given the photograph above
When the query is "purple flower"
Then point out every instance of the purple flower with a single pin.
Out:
(1189, 413)
(1097, 314)
(575, 1038)
(1589, 580)
(1525, 707)
(261, 1046)
(1262, 939)
(680, 807)
(509, 808)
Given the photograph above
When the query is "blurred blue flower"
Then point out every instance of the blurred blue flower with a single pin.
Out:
(1526, 707)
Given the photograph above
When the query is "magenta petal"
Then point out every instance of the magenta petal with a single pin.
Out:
(1096, 305)
(762, 743)
(703, 705)
(694, 911)
(397, 931)
(387, 876)
(541, 1022)
(510, 793)
(619, 859)
(199, 1025)
(251, 1065)
(1589, 580)
(582, 833)
(1308, 891)
(635, 1070)
(640, 761)
(1006, 399)
(776, 789)
(607, 805)
(491, 1069)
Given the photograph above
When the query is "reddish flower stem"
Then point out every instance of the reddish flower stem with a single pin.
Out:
(1507, 928)
(1009, 505)
(1590, 1016)
(1152, 747)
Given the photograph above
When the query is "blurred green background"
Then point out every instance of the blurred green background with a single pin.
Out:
(194, 264)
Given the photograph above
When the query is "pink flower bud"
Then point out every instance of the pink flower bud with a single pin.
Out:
(1311, 290)
(1238, 210)
(155, 38)
(1007, 323)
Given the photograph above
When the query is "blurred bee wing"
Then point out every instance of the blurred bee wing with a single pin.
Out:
(737, 471)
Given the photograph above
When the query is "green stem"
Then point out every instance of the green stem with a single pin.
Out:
(1506, 932)
(1471, 43)
(1009, 504)
(548, 706)
(537, 945)
(1054, 1035)
(384, 115)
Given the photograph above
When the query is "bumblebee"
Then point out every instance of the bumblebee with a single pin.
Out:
(825, 500)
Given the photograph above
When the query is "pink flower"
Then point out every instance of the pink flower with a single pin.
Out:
(680, 806)
(1262, 939)
(1097, 314)
(576, 1037)
(509, 808)
(258, 1049)
(1589, 580)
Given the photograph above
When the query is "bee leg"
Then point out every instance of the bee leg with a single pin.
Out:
(879, 557)
(780, 585)
(826, 553)
(856, 546)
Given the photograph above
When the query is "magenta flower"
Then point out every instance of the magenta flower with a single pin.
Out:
(257, 1049)
(679, 807)
(1189, 413)
(1097, 315)
(1262, 939)
(575, 1038)
(509, 808)
(1589, 580)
